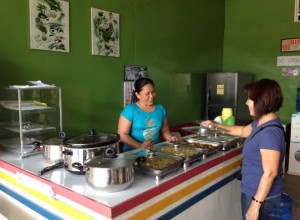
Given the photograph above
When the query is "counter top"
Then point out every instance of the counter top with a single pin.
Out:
(63, 185)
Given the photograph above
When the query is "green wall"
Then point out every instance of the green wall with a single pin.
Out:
(252, 38)
(178, 40)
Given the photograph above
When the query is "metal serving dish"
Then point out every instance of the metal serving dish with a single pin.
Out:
(226, 141)
(204, 131)
(208, 147)
(155, 163)
(188, 154)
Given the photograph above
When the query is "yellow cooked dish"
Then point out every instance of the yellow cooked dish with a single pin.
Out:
(159, 163)
(203, 146)
(181, 151)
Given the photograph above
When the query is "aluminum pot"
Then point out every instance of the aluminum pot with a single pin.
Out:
(52, 149)
(109, 173)
(81, 148)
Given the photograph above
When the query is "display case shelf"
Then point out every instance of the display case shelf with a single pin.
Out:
(27, 114)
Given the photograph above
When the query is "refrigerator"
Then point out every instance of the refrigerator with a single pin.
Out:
(226, 90)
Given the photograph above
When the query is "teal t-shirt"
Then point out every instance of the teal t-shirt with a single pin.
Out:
(144, 125)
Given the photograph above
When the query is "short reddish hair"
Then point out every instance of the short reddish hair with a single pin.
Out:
(266, 95)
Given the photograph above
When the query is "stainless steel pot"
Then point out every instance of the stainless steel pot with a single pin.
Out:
(109, 173)
(81, 148)
(52, 150)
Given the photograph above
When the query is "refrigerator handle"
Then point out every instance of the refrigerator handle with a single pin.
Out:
(208, 96)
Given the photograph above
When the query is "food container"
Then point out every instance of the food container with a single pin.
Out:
(188, 154)
(81, 148)
(52, 150)
(226, 141)
(155, 163)
(208, 147)
(108, 172)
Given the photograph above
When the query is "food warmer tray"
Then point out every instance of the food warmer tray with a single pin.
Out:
(176, 149)
(208, 147)
(203, 131)
(226, 141)
(149, 155)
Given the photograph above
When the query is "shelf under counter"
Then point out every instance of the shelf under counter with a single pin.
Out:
(147, 197)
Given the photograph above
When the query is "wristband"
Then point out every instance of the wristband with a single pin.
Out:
(255, 200)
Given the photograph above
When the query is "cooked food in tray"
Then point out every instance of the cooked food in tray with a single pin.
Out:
(154, 163)
(202, 145)
(178, 150)
(159, 162)
(208, 146)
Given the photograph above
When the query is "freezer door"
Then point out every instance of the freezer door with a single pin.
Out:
(221, 89)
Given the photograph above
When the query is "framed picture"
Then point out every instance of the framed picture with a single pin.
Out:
(133, 72)
(105, 33)
(297, 11)
(49, 25)
(290, 44)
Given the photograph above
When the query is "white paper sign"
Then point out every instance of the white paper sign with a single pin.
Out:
(288, 61)
(35, 184)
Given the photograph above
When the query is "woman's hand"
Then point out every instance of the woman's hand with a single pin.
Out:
(207, 123)
(253, 211)
(173, 138)
(147, 144)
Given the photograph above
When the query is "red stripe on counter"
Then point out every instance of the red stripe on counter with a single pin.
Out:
(115, 211)
(147, 195)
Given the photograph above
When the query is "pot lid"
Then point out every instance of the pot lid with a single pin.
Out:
(52, 141)
(108, 160)
(93, 139)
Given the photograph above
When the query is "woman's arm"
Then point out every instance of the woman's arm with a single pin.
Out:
(235, 130)
(270, 164)
(124, 127)
(166, 133)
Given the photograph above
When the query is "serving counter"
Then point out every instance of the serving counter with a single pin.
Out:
(207, 188)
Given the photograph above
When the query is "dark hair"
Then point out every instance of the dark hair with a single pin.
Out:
(138, 86)
(266, 95)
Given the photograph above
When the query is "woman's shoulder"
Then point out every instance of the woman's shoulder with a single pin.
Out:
(159, 106)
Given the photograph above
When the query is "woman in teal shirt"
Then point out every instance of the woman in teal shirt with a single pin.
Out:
(142, 122)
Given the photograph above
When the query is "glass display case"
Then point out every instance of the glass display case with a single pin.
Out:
(28, 115)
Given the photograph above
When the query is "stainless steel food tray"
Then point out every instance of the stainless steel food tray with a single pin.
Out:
(187, 161)
(203, 131)
(226, 141)
(158, 173)
(208, 147)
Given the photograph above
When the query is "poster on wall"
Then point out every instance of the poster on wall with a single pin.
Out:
(105, 33)
(128, 91)
(133, 72)
(49, 25)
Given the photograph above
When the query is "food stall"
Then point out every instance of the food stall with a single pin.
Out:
(206, 187)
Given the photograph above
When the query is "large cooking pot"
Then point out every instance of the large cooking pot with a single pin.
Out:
(108, 172)
(81, 148)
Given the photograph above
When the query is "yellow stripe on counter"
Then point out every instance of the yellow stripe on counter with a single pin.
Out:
(167, 201)
(63, 207)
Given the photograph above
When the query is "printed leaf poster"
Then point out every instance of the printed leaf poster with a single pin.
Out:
(49, 25)
(105, 33)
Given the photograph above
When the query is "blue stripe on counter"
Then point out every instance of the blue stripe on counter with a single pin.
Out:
(187, 204)
(45, 213)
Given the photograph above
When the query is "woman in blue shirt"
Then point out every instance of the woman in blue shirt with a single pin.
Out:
(263, 151)
(142, 122)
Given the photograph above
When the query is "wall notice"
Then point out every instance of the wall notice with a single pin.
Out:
(220, 89)
(288, 61)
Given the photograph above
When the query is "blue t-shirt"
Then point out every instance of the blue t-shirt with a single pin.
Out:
(262, 137)
(144, 125)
